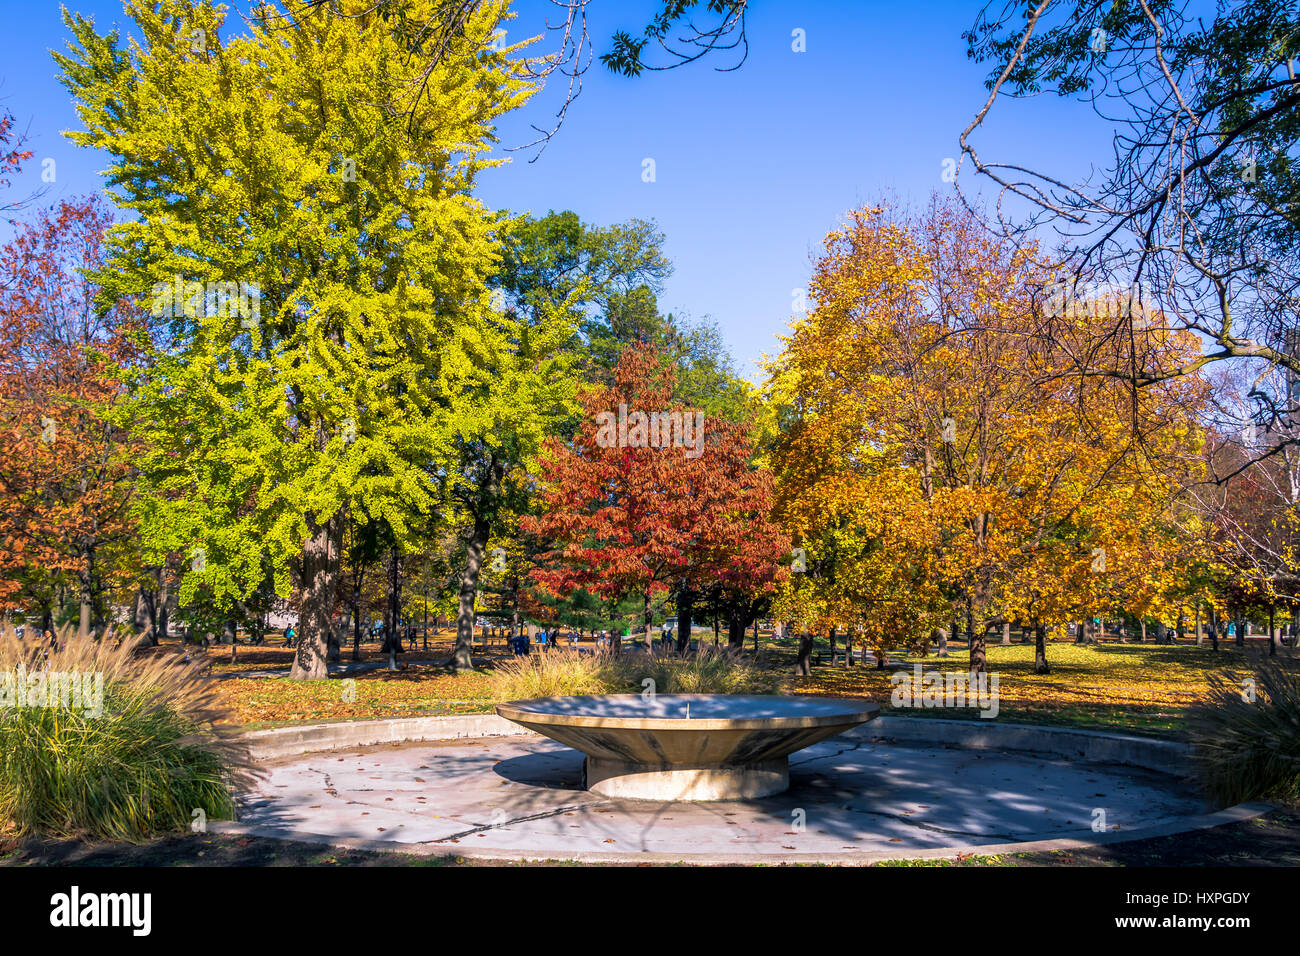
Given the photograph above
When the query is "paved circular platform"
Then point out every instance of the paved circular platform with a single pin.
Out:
(850, 800)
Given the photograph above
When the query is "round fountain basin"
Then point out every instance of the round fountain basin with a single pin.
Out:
(688, 746)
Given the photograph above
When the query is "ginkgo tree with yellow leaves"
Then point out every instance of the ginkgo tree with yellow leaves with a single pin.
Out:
(361, 351)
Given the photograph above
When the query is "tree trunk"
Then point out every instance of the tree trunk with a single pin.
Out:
(848, 649)
(803, 663)
(735, 632)
(83, 628)
(1272, 634)
(356, 612)
(164, 611)
(319, 572)
(834, 636)
(685, 608)
(1040, 650)
(461, 657)
(1006, 633)
(335, 644)
(646, 616)
(976, 643)
(943, 642)
(1199, 638)
(1214, 628)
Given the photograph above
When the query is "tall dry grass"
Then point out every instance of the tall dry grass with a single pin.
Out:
(159, 750)
(1244, 749)
(565, 673)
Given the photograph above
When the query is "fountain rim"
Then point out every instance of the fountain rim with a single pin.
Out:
(855, 711)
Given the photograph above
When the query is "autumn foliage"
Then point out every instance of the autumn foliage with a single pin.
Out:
(65, 460)
(628, 520)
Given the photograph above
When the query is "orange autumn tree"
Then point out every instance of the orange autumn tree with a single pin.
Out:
(65, 461)
(918, 389)
(648, 493)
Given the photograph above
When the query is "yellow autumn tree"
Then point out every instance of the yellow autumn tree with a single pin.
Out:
(937, 457)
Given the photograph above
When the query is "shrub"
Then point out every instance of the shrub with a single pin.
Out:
(1248, 750)
(156, 750)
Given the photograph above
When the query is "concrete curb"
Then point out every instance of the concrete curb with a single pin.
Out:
(311, 738)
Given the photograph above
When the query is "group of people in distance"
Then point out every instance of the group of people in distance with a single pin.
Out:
(522, 644)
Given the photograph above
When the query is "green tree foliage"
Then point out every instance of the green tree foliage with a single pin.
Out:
(269, 164)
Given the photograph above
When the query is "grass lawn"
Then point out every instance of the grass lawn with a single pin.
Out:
(1145, 689)
(1139, 688)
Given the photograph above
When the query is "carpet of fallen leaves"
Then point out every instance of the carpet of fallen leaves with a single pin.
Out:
(268, 701)
(1144, 688)
(256, 689)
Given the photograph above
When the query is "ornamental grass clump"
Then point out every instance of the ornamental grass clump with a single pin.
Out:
(99, 740)
(1246, 737)
(708, 671)
(566, 673)
(549, 673)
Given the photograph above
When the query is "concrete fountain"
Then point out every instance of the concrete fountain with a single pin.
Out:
(688, 746)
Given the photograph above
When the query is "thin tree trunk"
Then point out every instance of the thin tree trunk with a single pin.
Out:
(1006, 633)
(87, 599)
(1040, 650)
(685, 609)
(803, 663)
(646, 617)
(976, 643)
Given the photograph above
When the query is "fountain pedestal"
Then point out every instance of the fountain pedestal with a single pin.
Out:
(617, 778)
(730, 746)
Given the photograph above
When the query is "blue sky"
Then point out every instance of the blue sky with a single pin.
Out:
(753, 167)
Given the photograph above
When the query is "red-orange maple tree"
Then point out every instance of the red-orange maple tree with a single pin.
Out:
(627, 520)
(64, 463)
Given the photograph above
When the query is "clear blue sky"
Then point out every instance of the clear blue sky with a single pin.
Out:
(753, 167)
